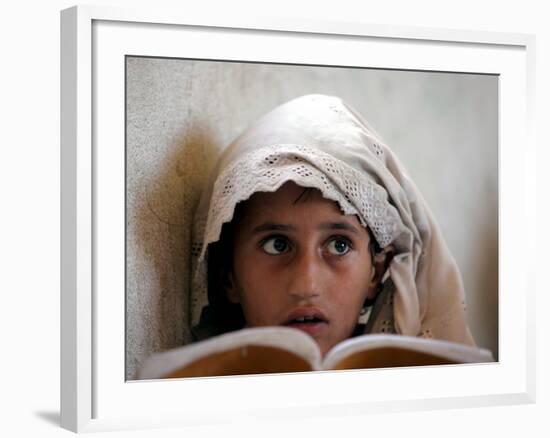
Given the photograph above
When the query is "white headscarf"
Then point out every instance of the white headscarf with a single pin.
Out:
(318, 141)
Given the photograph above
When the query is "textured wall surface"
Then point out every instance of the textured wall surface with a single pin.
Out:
(181, 113)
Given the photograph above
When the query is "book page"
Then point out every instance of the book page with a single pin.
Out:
(246, 351)
(388, 357)
(249, 359)
(380, 351)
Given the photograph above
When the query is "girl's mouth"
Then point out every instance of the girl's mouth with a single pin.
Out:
(310, 321)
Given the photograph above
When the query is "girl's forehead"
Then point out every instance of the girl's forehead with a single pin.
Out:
(291, 203)
(288, 196)
(289, 191)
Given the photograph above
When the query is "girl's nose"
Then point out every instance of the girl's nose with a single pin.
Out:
(305, 275)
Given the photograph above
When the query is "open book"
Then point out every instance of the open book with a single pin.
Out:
(284, 349)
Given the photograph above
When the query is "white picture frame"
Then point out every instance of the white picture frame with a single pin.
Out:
(94, 393)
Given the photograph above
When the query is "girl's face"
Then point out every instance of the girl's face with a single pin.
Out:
(301, 263)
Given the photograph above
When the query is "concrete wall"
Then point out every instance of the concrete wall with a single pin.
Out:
(180, 113)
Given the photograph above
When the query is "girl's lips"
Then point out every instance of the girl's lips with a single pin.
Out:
(311, 328)
(308, 319)
(307, 313)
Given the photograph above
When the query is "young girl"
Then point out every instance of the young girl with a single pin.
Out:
(310, 221)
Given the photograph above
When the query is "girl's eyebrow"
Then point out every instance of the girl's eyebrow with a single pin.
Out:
(338, 226)
(271, 226)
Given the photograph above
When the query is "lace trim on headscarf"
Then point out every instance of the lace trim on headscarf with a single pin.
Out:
(266, 169)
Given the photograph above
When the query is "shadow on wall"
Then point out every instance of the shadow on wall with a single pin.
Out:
(488, 323)
(157, 318)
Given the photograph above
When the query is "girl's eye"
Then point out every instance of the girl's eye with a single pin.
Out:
(275, 245)
(339, 246)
